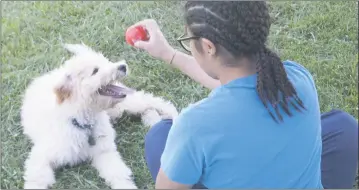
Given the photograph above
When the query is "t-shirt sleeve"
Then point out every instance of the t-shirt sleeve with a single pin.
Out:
(303, 70)
(182, 159)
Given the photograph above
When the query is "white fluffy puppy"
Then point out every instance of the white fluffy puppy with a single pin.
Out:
(66, 114)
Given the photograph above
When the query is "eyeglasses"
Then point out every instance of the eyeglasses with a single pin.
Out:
(185, 41)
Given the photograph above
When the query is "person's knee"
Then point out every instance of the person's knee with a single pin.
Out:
(158, 131)
(340, 149)
(348, 122)
(341, 119)
(340, 130)
(155, 141)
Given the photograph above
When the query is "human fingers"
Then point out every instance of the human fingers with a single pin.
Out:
(142, 45)
(149, 24)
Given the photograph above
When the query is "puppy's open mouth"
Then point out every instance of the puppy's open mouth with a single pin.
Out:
(114, 91)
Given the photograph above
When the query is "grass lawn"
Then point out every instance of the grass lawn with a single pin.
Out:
(320, 35)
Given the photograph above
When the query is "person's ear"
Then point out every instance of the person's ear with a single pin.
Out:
(208, 47)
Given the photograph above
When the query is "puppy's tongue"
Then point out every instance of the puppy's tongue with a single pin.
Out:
(115, 91)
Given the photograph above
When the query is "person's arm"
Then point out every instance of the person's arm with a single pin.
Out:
(163, 182)
(182, 160)
(189, 66)
(158, 47)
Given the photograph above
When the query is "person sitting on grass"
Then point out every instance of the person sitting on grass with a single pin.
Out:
(261, 126)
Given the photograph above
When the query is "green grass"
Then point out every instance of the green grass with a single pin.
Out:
(320, 35)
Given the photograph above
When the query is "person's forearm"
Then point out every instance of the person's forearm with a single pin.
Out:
(189, 66)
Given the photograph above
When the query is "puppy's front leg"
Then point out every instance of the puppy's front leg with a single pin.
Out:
(115, 113)
(38, 171)
(145, 104)
(113, 169)
(108, 161)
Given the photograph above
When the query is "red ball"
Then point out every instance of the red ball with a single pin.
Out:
(134, 34)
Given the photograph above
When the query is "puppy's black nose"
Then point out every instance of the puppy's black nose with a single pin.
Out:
(122, 68)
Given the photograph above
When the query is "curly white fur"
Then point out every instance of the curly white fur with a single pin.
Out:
(53, 100)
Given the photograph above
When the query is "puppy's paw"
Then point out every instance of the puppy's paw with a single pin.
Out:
(124, 184)
(150, 117)
(167, 111)
(34, 185)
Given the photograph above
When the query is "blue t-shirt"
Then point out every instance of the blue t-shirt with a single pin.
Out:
(229, 140)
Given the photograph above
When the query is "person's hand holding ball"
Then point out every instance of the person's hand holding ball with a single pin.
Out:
(147, 35)
(136, 33)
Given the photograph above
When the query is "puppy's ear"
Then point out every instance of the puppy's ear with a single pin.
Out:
(78, 49)
(63, 90)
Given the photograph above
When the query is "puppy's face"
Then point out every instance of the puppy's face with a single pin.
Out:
(89, 79)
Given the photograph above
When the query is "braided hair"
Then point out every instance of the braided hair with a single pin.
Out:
(242, 28)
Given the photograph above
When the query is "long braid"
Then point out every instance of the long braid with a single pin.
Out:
(242, 28)
(274, 84)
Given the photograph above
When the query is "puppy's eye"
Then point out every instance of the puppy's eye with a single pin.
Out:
(95, 70)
